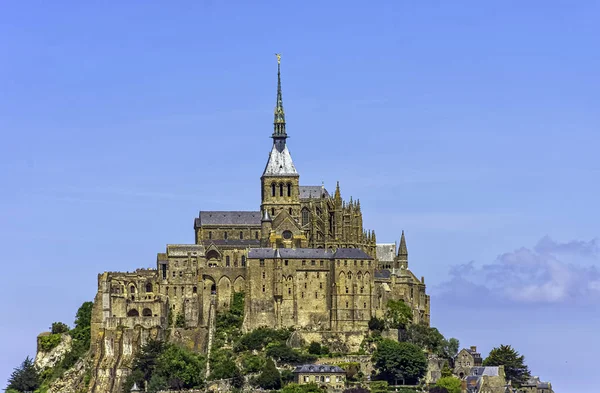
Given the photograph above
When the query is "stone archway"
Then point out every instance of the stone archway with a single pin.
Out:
(224, 293)
(239, 285)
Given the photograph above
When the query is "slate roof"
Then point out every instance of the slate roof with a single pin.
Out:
(280, 163)
(228, 218)
(383, 273)
(490, 371)
(318, 369)
(307, 253)
(386, 251)
(313, 192)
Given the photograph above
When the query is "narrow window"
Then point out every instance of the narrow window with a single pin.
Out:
(164, 271)
(312, 263)
(346, 304)
(263, 275)
(290, 211)
(243, 261)
(321, 263)
(272, 211)
(302, 295)
(362, 263)
(346, 289)
(263, 288)
(304, 285)
(173, 274)
(303, 263)
(285, 262)
(256, 235)
(225, 235)
(262, 263)
(241, 235)
(273, 189)
(281, 189)
(195, 290)
(345, 263)
(316, 295)
(209, 235)
(227, 261)
(180, 274)
(364, 305)
(320, 285)
(289, 291)
(305, 216)
(289, 186)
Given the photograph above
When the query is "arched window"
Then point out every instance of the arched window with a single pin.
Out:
(147, 312)
(225, 235)
(133, 313)
(256, 235)
(273, 189)
(281, 189)
(241, 235)
(243, 261)
(289, 189)
(209, 235)
(290, 211)
(132, 289)
(272, 211)
(305, 216)
(149, 287)
(227, 261)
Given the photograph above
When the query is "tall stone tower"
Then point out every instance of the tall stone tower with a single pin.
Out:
(280, 180)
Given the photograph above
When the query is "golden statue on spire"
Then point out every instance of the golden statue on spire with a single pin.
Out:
(278, 58)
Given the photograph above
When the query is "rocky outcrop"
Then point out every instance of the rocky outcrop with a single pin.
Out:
(50, 358)
(74, 380)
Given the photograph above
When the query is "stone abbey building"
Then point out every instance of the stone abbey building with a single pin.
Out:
(303, 260)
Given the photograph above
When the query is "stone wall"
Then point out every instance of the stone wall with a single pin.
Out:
(345, 342)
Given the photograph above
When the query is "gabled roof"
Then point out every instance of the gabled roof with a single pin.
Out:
(280, 163)
(313, 192)
(489, 371)
(318, 369)
(386, 252)
(228, 218)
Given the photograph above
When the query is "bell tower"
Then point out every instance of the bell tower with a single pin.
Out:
(280, 180)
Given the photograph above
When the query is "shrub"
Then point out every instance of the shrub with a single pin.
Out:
(49, 342)
(270, 378)
(59, 327)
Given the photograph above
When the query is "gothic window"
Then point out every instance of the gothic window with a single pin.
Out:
(281, 189)
(262, 263)
(210, 234)
(149, 287)
(195, 290)
(241, 235)
(272, 189)
(346, 289)
(346, 304)
(227, 261)
(305, 216)
(132, 289)
(243, 261)
(289, 190)
(316, 295)
(290, 211)
(164, 271)
(264, 288)
(273, 211)
(225, 235)
(349, 276)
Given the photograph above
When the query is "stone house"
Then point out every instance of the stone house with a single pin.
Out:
(485, 380)
(324, 375)
(465, 360)
(534, 385)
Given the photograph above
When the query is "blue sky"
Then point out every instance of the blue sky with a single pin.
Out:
(471, 125)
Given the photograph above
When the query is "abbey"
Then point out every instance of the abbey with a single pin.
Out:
(303, 260)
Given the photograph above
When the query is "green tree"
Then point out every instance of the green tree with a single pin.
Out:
(59, 328)
(146, 359)
(252, 363)
(222, 364)
(379, 386)
(314, 348)
(515, 368)
(446, 372)
(25, 377)
(400, 362)
(358, 389)
(451, 384)
(180, 320)
(426, 337)
(181, 368)
(270, 378)
(450, 349)
(376, 324)
(237, 380)
(398, 315)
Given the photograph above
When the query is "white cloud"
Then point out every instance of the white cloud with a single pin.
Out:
(548, 273)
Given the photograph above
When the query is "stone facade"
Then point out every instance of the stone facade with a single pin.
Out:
(326, 376)
(303, 260)
(465, 360)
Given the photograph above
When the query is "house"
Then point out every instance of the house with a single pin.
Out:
(534, 385)
(465, 360)
(326, 376)
(485, 380)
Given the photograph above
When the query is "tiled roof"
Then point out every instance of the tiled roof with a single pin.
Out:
(228, 218)
(318, 368)
(490, 371)
(386, 252)
(307, 253)
(280, 163)
(313, 192)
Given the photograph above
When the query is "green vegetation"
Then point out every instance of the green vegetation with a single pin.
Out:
(400, 362)
(49, 342)
(514, 364)
(59, 327)
(446, 371)
(376, 324)
(180, 321)
(270, 378)
(317, 349)
(398, 314)
(24, 378)
(379, 386)
(451, 384)
(258, 339)
(438, 389)
(165, 366)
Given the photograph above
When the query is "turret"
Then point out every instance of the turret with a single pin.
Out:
(402, 258)
(266, 224)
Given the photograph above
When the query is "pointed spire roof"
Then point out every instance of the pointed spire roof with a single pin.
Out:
(266, 217)
(402, 249)
(280, 160)
(279, 121)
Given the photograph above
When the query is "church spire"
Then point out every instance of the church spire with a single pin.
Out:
(402, 251)
(279, 121)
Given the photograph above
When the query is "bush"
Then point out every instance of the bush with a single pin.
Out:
(287, 355)
(451, 384)
(49, 342)
(24, 378)
(305, 388)
(376, 324)
(180, 320)
(260, 338)
(59, 327)
(287, 376)
(317, 349)
(252, 363)
(270, 378)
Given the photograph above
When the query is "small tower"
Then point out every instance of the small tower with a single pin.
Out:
(135, 389)
(402, 258)
(266, 224)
